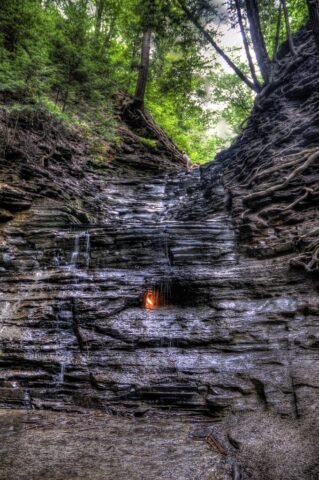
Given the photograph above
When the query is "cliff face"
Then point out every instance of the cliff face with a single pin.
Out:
(227, 254)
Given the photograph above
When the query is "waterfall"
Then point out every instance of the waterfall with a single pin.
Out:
(27, 400)
(61, 373)
(165, 285)
(80, 260)
(75, 253)
(87, 253)
(80, 249)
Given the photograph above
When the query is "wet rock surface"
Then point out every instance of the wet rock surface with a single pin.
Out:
(235, 328)
(234, 334)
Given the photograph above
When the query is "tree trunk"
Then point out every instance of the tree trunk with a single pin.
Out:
(288, 30)
(258, 38)
(135, 46)
(210, 39)
(276, 45)
(109, 34)
(313, 7)
(98, 16)
(148, 23)
(143, 69)
(246, 45)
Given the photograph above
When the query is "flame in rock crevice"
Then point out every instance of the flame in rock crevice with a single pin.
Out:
(150, 299)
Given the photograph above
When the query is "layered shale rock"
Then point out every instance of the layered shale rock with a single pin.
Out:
(227, 256)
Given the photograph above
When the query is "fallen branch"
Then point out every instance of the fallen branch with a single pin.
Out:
(215, 444)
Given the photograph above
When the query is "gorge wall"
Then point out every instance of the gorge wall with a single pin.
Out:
(229, 250)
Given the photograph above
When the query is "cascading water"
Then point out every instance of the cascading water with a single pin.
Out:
(79, 264)
(81, 249)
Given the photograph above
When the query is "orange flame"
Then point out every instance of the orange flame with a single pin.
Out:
(149, 299)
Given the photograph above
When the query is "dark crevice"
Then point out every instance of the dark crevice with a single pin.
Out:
(76, 328)
(260, 390)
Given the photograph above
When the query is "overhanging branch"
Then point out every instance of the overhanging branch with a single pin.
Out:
(210, 39)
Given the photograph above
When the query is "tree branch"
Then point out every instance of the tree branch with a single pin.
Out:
(258, 39)
(246, 45)
(210, 39)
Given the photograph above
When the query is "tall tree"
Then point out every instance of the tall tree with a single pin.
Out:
(148, 21)
(258, 39)
(143, 68)
(288, 30)
(246, 44)
(99, 9)
(277, 36)
(313, 7)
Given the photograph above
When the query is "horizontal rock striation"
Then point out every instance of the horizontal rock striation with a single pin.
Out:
(83, 240)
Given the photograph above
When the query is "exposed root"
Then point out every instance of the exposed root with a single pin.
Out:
(272, 169)
(263, 193)
(300, 199)
(141, 123)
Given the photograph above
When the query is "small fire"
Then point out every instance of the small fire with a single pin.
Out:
(150, 299)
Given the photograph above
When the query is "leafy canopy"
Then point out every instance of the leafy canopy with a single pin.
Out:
(74, 56)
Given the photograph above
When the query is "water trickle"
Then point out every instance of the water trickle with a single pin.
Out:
(159, 295)
(79, 245)
(61, 373)
(27, 400)
(4, 311)
(87, 250)
(75, 253)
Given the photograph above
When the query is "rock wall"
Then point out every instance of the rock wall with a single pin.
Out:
(229, 251)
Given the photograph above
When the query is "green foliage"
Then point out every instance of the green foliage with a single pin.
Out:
(97, 122)
(237, 99)
(24, 49)
(52, 108)
(73, 56)
(269, 16)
